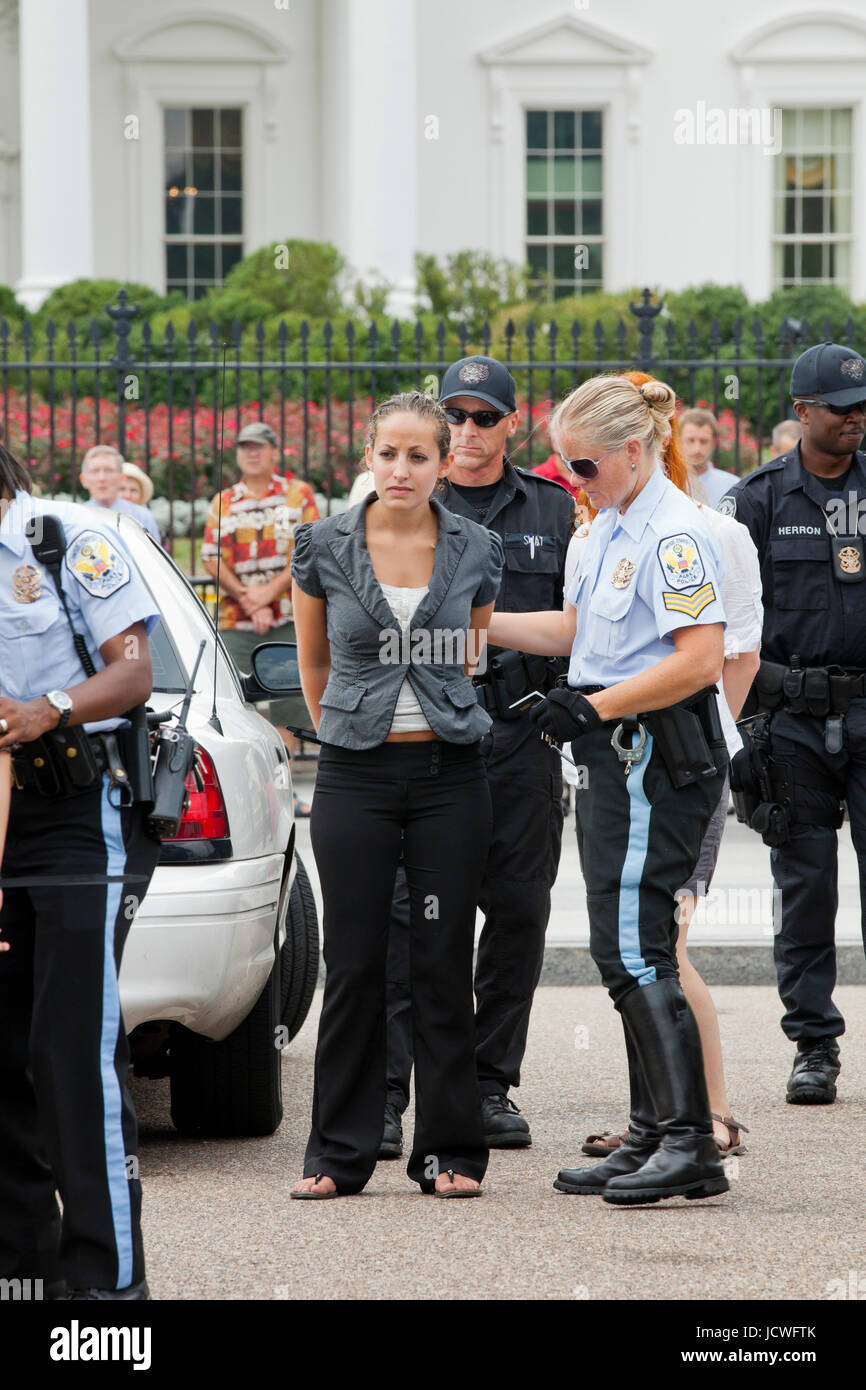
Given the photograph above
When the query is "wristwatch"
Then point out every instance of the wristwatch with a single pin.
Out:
(60, 701)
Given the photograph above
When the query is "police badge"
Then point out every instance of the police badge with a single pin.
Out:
(623, 574)
(26, 584)
(473, 372)
(849, 562)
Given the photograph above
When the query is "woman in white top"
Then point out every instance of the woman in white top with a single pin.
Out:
(741, 597)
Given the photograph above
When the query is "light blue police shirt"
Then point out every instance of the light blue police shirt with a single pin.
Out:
(141, 514)
(640, 577)
(104, 592)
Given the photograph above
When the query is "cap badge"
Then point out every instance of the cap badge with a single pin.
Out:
(26, 584)
(849, 560)
(623, 574)
(853, 367)
(473, 372)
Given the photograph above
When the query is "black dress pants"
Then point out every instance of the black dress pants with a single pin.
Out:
(805, 869)
(525, 779)
(66, 1118)
(431, 800)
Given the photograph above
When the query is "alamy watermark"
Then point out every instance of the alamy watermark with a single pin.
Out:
(732, 125)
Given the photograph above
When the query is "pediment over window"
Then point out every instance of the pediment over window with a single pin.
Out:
(566, 40)
(831, 37)
(197, 37)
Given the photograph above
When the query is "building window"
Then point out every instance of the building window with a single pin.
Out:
(203, 197)
(812, 213)
(564, 246)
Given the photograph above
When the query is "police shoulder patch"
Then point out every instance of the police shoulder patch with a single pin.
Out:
(728, 505)
(97, 565)
(680, 561)
(692, 605)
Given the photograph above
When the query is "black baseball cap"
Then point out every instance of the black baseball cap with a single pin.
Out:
(830, 372)
(482, 377)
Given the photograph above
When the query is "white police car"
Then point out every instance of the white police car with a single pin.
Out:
(221, 962)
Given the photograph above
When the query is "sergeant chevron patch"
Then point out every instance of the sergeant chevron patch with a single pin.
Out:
(690, 604)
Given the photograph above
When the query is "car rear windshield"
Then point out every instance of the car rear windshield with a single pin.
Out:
(168, 673)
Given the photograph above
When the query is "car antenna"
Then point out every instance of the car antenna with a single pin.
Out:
(214, 720)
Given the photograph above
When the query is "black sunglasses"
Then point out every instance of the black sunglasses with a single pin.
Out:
(587, 468)
(484, 419)
(839, 410)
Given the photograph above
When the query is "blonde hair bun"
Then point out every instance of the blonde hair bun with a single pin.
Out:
(659, 397)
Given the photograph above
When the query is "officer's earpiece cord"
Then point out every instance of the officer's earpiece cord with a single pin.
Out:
(214, 720)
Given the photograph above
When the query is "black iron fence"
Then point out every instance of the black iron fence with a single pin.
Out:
(167, 404)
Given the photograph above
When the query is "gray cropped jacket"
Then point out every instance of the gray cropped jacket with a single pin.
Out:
(370, 657)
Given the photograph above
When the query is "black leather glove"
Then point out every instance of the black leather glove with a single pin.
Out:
(565, 715)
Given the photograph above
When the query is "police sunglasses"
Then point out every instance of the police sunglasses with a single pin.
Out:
(587, 468)
(840, 410)
(484, 419)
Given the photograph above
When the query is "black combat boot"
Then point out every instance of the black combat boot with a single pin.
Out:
(813, 1080)
(686, 1162)
(392, 1135)
(643, 1138)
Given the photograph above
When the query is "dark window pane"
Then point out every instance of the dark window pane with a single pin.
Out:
(175, 262)
(813, 214)
(174, 127)
(593, 270)
(230, 129)
(536, 219)
(811, 262)
(536, 130)
(591, 137)
(563, 261)
(563, 219)
(175, 169)
(200, 290)
(204, 262)
(231, 172)
(203, 170)
(563, 130)
(790, 265)
(231, 252)
(537, 258)
(177, 215)
(230, 214)
(202, 129)
(590, 175)
(790, 214)
(591, 218)
(204, 208)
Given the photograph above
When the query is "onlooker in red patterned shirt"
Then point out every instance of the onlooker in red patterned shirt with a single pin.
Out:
(256, 530)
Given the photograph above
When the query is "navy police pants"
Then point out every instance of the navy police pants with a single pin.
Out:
(66, 1118)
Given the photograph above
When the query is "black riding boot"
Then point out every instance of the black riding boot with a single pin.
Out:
(686, 1162)
(643, 1137)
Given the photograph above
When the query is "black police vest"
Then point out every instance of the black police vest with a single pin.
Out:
(813, 561)
(533, 518)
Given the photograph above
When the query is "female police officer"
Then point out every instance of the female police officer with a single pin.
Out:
(644, 624)
(77, 862)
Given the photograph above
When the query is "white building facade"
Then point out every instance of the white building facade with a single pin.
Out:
(608, 144)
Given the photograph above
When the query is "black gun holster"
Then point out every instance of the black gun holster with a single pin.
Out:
(685, 734)
(514, 674)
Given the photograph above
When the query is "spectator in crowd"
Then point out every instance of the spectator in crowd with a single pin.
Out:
(102, 476)
(699, 433)
(786, 435)
(400, 770)
(255, 521)
(559, 472)
(741, 596)
(135, 485)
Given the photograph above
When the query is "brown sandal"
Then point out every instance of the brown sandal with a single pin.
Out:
(316, 1196)
(600, 1145)
(733, 1127)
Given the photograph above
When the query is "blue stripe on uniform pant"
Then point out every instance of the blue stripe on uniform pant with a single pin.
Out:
(632, 873)
(115, 1147)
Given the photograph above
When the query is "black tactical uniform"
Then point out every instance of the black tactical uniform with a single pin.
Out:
(811, 746)
(533, 516)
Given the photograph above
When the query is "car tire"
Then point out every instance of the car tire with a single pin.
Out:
(231, 1088)
(299, 958)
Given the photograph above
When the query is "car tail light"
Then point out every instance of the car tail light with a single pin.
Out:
(205, 815)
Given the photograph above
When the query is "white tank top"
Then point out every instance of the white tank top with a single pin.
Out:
(408, 714)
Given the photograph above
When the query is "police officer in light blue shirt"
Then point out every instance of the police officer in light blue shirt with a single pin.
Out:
(644, 623)
(102, 475)
(77, 862)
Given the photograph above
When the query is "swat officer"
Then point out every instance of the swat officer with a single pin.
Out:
(805, 513)
(77, 862)
(533, 517)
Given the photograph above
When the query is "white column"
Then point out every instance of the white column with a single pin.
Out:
(370, 129)
(56, 185)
